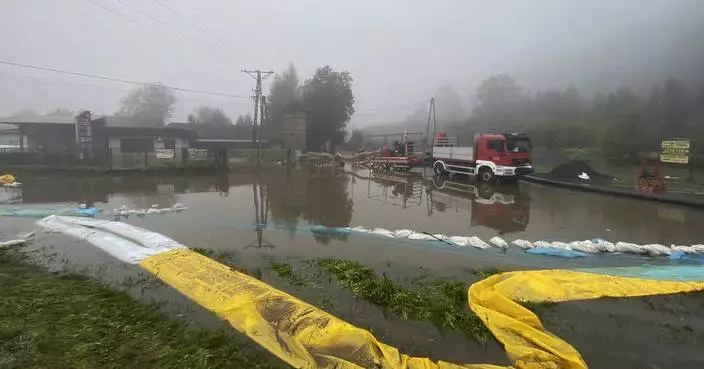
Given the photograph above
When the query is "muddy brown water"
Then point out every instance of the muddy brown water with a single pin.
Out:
(224, 211)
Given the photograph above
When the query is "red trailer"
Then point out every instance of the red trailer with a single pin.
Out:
(398, 155)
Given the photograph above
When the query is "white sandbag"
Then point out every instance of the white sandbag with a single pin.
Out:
(383, 232)
(149, 239)
(697, 248)
(629, 247)
(543, 244)
(478, 243)
(522, 244)
(420, 236)
(656, 249)
(402, 233)
(603, 245)
(459, 240)
(498, 242)
(560, 245)
(120, 248)
(585, 246)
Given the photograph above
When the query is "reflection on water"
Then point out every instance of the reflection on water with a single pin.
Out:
(293, 200)
(505, 209)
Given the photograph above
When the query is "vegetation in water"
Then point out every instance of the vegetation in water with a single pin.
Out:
(438, 300)
(50, 320)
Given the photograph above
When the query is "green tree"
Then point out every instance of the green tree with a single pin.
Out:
(329, 102)
(151, 105)
(675, 108)
(356, 140)
(627, 133)
(210, 115)
(503, 104)
(284, 90)
(449, 106)
(244, 120)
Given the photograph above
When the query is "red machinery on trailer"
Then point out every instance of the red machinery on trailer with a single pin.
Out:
(400, 156)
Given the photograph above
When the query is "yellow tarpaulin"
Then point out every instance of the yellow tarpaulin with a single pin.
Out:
(307, 337)
(7, 179)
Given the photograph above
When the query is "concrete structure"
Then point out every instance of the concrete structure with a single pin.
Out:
(294, 127)
(126, 143)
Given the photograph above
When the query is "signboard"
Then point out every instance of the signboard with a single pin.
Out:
(197, 154)
(675, 151)
(84, 136)
(164, 153)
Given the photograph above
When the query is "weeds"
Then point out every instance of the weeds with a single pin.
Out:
(50, 320)
(440, 301)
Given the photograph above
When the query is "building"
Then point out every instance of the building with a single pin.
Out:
(129, 143)
(46, 135)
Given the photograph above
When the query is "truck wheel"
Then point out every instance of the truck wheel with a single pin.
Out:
(439, 168)
(486, 175)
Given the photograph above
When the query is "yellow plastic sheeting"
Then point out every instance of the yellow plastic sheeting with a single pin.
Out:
(525, 340)
(298, 333)
(307, 337)
(7, 179)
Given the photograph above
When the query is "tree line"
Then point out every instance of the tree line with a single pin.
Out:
(623, 124)
(326, 98)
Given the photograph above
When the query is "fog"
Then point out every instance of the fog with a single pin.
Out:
(399, 52)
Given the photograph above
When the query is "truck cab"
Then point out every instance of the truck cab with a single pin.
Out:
(505, 155)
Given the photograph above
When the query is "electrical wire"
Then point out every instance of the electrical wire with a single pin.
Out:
(114, 79)
(154, 19)
(171, 28)
(192, 23)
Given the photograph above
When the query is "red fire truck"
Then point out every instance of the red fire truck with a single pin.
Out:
(503, 155)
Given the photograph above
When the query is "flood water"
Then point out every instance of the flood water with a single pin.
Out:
(224, 211)
(269, 214)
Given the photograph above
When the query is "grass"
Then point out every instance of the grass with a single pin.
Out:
(440, 301)
(53, 321)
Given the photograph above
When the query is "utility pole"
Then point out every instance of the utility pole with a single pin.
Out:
(258, 75)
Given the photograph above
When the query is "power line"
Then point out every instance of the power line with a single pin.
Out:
(192, 23)
(114, 79)
(129, 19)
(167, 26)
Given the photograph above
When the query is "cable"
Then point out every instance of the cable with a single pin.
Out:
(127, 18)
(113, 79)
(165, 25)
(192, 23)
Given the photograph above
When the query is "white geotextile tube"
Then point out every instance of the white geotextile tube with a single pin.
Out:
(106, 236)
(588, 246)
(152, 240)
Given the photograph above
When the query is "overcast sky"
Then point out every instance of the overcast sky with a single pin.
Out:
(399, 52)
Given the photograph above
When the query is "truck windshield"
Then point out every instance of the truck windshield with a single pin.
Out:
(518, 144)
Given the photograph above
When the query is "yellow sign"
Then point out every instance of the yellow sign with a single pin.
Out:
(675, 151)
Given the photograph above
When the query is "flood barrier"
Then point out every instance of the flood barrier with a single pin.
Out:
(571, 249)
(44, 211)
(307, 337)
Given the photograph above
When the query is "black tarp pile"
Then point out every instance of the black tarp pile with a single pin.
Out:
(573, 170)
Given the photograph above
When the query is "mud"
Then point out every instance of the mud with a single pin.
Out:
(254, 216)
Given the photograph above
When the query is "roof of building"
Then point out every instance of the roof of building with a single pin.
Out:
(217, 132)
(39, 119)
(114, 121)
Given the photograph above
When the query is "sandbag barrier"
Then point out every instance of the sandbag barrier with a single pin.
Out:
(571, 249)
(124, 212)
(307, 337)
